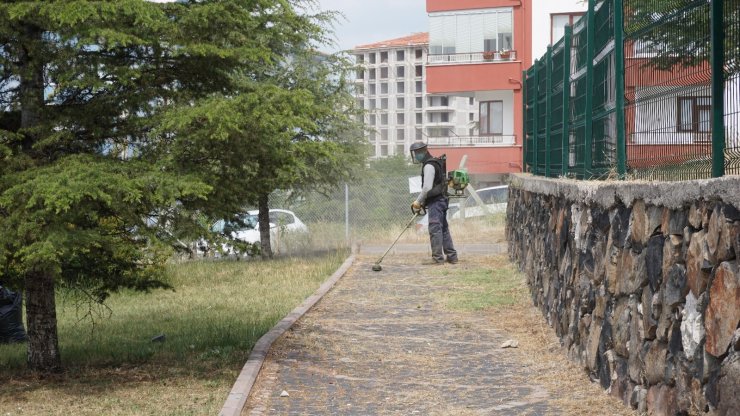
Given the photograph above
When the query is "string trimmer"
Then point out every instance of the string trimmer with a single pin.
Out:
(376, 266)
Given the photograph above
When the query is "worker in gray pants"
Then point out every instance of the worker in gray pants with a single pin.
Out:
(434, 198)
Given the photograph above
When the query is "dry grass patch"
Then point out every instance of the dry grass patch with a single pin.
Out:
(218, 310)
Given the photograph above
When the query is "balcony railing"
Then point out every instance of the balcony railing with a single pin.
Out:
(475, 141)
(471, 57)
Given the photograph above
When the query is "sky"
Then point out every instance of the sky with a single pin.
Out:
(368, 21)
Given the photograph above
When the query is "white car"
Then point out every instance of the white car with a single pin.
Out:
(495, 198)
(247, 228)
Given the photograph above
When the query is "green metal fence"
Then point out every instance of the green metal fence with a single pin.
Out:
(638, 89)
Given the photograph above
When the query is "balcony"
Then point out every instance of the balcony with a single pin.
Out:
(472, 141)
(471, 58)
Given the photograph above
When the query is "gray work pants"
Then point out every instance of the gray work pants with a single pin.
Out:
(439, 231)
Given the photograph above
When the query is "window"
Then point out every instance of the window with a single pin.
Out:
(359, 89)
(384, 73)
(399, 149)
(418, 134)
(384, 135)
(400, 133)
(371, 104)
(694, 115)
(471, 31)
(383, 103)
(372, 119)
(471, 117)
(372, 89)
(400, 71)
(419, 118)
(400, 118)
(383, 88)
(400, 56)
(384, 119)
(418, 53)
(491, 117)
(360, 103)
(400, 103)
(419, 87)
(419, 70)
(558, 23)
(400, 87)
(471, 101)
(372, 74)
(360, 58)
(383, 57)
(360, 74)
(419, 102)
(371, 57)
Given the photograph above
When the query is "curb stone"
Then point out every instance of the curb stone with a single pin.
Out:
(237, 398)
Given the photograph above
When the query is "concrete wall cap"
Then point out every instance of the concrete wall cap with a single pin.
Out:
(673, 195)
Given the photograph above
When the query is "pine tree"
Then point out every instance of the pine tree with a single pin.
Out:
(95, 184)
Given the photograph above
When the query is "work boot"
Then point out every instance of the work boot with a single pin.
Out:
(452, 260)
(434, 262)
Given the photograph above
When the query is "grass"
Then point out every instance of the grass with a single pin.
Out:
(219, 309)
(483, 286)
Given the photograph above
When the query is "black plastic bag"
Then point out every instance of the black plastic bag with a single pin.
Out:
(11, 317)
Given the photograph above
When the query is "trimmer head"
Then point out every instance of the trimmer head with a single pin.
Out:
(376, 267)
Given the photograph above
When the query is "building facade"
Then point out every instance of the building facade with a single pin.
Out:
(477, 51)
(391, 88)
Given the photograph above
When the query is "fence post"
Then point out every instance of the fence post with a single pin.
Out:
(548, 108)
(588, 139)
(568, 45)
(535, 128)
(718, 89)
(619, 65)
(525, 158)
(346, 213)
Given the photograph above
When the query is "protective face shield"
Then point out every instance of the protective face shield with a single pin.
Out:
(418, 152)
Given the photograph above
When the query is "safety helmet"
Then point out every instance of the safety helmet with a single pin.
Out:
(418, 152)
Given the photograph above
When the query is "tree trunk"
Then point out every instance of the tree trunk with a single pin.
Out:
(264, 220)
(41, 315)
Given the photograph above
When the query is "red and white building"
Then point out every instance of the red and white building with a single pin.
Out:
(478, 49)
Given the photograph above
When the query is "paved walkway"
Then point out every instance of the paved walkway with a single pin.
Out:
(382, 343)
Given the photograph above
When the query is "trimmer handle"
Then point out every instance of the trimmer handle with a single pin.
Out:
(422, 211)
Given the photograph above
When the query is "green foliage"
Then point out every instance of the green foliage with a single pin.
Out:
(128, 125)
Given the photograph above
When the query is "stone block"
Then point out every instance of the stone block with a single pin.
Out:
(592, 344)
(636, 340)
(655, 362)
(720, 235)
(661, 401)
(723, 312)
(695, 267)
(692, 326)
(672, 254)
(735, 238)
(695, 214)
(689, 393)
(620, 323)
(631, 272)
(638, 223)
(649, 323)
(673, 222)
(620, 225)
(654, 260)
(675, 288)
(729, 386)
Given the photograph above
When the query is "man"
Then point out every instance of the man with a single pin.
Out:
(433, 197)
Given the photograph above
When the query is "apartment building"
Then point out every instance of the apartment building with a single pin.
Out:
(391, 87)
(477, 51)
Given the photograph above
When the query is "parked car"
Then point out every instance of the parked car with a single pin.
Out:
(495, 199)
(246, 228)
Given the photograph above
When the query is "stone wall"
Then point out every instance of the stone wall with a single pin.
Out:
(641, 283)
